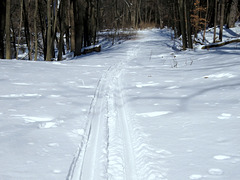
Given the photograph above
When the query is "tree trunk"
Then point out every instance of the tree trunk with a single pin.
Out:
(51, 16)
(2, 26)
(67, 25)
(26, 30)
(49, 31)
(133, 13)
(183, 24)
(35, 30)
(72, 20)
(86, 24)
(93, 22)
(13, 35)
(176, 19)
(159, 5)
(8, 31)
(215, 20)
(79, 7)
(188, 22)
(233, 14)
(20, 27)
(139, 18)
(43, 28)
(62, 16)
(206, 19)
(222, 19)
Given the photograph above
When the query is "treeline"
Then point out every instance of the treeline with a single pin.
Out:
(50, 28)
(196, 15)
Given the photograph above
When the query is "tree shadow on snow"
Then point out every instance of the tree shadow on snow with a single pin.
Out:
(184, 102)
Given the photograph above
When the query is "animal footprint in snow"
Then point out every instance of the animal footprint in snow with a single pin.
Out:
(224, 116)
(215, 171)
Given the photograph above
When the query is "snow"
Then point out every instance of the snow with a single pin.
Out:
(139, 110)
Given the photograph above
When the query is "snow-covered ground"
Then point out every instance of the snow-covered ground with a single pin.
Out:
(139, 110)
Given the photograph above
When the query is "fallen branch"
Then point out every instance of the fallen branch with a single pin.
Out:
(220, 44)
(95, 48)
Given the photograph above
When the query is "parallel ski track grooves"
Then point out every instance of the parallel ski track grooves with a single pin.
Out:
(80, 161)
(75, 170)
(121, 121)
(130, 164)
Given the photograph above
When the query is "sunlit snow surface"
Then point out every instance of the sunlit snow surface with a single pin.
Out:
(183, 108)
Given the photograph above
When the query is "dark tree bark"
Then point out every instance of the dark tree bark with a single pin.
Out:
(20, 27)
(49, 54)
(13, 35)
(51, 28)
(67, 25)
(43, 27)
(183, 23)
(233, 14)
(26, 30)
(221, 19)
(187, 4)
(215, 20)
(93, 21)
(79, 9)
(62, 16)
(72, 23)
(35, 30)
(2, 26)
(7, 30)
(133, 13)
(86, 22)
(206, 20)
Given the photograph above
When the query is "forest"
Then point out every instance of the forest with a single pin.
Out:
(51, 28)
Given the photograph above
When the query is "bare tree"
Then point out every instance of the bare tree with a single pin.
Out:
(8, 31)
(215, 20)
(72, 24)
(20, 27)
(62, 16)
(27, 29)
(79, 9)
(183, 23)
(221, 19)
(206, 19)
(2, 26)
(233, 14)
(187, 4)
(35, 30)
(52, 8)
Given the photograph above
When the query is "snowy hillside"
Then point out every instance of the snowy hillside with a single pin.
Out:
(139, 110)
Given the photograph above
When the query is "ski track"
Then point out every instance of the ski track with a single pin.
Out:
(107, 151)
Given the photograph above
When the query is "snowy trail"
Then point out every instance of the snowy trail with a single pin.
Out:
(84, 165)
(139, 110)
(120, 149)
(107, 148)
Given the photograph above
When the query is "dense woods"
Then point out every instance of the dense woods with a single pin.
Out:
(49, 28)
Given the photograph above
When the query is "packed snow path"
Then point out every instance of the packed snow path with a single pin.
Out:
(107, 150)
